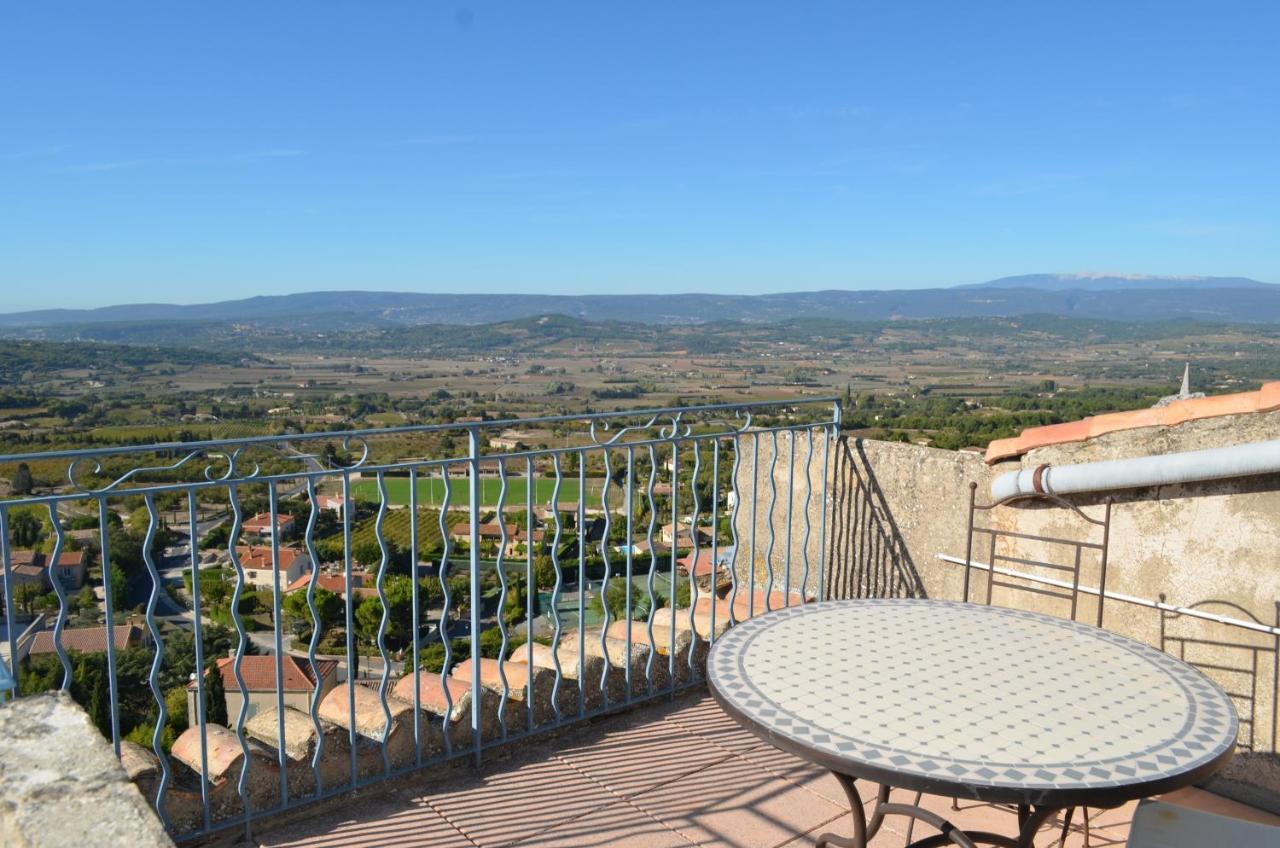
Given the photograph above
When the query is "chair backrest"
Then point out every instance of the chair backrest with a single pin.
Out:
(1046, 566)
(1245, 662)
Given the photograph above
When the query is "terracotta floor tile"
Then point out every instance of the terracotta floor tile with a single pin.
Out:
(619, 825)
(403, 825)
(736, 804)
(507, 806)
(706, 719)
(640, 757)
(816, 779)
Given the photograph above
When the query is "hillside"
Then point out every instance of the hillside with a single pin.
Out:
(1124, 298)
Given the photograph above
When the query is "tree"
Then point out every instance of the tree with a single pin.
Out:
(544, 571)
(26, 595)
(25, 529)
(175, 704)
(399, 593)
(89, 687)
(298, 614)
(119, 589)
(215, 697)
(22, 483)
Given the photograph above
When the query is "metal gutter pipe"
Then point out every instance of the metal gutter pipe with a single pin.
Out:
(1163, 469)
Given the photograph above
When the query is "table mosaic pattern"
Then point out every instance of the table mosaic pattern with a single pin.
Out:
(972, 695)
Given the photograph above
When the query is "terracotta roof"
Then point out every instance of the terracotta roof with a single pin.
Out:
(262, 521)
(88, 640)
(336, 583)
(37, 560)
(703, 564)
(259, 673)
(1264, 399)
(260, 557)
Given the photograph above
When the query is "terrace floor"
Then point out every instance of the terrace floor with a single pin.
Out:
(666, 775)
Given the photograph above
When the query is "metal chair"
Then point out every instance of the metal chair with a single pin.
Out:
(1239, 658)
(1042, 577)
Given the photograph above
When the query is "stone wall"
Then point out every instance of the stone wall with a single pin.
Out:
(63, 784)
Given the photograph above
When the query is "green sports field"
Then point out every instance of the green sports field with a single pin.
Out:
(431, 491)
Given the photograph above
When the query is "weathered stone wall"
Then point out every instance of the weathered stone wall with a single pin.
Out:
(63, 784)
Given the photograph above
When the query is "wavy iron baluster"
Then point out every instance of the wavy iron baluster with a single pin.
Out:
(443, 630)
(282, 759)
(693, 568)
(630, 506)
(555, 590)
(60, 538)
(502, 598)
(653, 570)
(349, 620)
(153, 678)
(604, 582)
(108, 602)
(715, 533)
(416, 613)
(531, 588)
(379, 586)
(773, 499)
(193, 536)
(237, 522)
(6, 560)
(808, 496)
(313, 707)
(733, 528)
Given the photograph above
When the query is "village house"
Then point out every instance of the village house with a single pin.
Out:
(69, 570)
(259, 674)
(261, 524)
(490, 532)
(257, 564)
(87, 640)
(680, 537)
(362, 584)
(34, 568)
(331, 503)
(700, 566)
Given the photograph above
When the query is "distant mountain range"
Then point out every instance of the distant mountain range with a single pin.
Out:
(1101, 296)
(1102, 281)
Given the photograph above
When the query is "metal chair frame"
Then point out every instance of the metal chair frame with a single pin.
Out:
(1076, 545)
(1072, 596)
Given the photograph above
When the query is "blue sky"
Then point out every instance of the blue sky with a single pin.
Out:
(186, 152)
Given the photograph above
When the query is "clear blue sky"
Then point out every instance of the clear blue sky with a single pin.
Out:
(187, 152)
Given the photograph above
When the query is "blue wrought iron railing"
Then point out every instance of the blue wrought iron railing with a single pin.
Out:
(593, 572)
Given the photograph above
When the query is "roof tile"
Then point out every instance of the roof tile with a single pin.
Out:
(1264, 399)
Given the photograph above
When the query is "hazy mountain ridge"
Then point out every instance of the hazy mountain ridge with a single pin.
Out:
(1103, 281)
(1117, 297)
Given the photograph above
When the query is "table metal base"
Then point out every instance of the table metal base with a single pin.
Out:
(1030, 820)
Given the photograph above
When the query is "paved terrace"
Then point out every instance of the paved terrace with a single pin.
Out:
(669, 774)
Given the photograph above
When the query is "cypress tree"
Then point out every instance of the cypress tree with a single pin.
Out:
(215, 697)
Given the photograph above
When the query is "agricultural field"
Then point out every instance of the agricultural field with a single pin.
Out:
(396, 528)
(431, 491)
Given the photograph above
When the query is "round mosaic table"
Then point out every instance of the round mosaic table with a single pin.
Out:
(971, 701)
